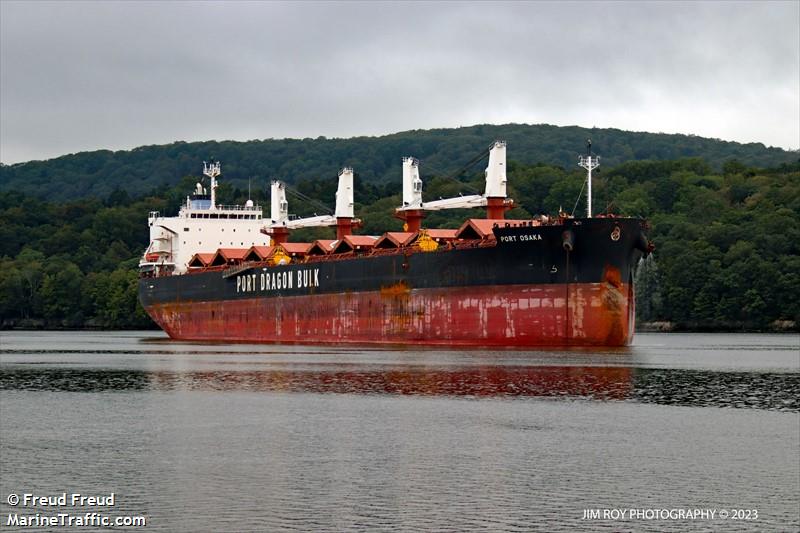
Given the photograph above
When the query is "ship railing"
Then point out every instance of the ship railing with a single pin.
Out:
(239, 208)
(331, 257)
(235, 268)
(229, 269)
(474, 243)
(203, 270)
(389, 251)
(409, 249)
(239, 268)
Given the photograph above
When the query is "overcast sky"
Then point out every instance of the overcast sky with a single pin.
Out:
(80, 76)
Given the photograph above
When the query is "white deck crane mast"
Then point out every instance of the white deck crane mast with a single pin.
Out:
(494, 197)
(343, 217)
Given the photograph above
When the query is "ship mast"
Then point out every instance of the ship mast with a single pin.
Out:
(589, 162)
(212, 170)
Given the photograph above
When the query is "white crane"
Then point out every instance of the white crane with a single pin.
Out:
(343, 217)
(494, 197)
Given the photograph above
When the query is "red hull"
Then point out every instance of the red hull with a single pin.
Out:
(588, 314)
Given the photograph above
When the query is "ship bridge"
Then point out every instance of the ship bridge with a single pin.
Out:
(201, 226)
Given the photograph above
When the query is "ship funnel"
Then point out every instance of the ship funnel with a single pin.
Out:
(279, 207)
(412, 184)
(496, 171)
(344, 194)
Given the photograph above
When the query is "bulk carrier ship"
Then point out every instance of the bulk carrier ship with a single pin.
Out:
(226, 273)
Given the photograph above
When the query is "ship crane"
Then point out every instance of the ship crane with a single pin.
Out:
(343, 218)
(494, 198)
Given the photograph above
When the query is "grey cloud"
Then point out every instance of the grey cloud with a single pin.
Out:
(79, 76)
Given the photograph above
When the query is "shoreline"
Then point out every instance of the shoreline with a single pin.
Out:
(779, 326)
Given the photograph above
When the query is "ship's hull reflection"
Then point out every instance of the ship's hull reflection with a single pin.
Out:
(596, 382)
(483, 381)
(762, 390)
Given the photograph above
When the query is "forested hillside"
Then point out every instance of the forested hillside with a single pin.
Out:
(376, 159)
(728, 240)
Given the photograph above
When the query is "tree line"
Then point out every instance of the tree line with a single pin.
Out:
(377, 159)
(727, 256)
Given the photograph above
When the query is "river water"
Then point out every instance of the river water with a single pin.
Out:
(216, 437)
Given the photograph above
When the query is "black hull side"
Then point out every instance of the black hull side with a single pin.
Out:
(602, 250)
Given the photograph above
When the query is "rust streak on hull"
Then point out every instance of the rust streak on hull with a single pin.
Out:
(597, 314)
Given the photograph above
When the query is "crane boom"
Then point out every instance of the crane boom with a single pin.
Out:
(473, 200)
(495, 184)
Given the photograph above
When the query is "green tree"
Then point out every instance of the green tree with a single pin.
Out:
(61, 292)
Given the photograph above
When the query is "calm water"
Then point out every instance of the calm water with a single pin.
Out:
(208, 437)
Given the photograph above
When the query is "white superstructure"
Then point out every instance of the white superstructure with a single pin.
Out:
(201, 226)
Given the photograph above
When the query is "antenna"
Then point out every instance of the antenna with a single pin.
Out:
(212, 169)
(249, 202)
(589, 162)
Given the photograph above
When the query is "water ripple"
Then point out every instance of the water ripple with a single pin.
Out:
(759, 390)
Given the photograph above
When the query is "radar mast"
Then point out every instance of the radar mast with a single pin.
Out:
(589, 162)
(212, 170)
